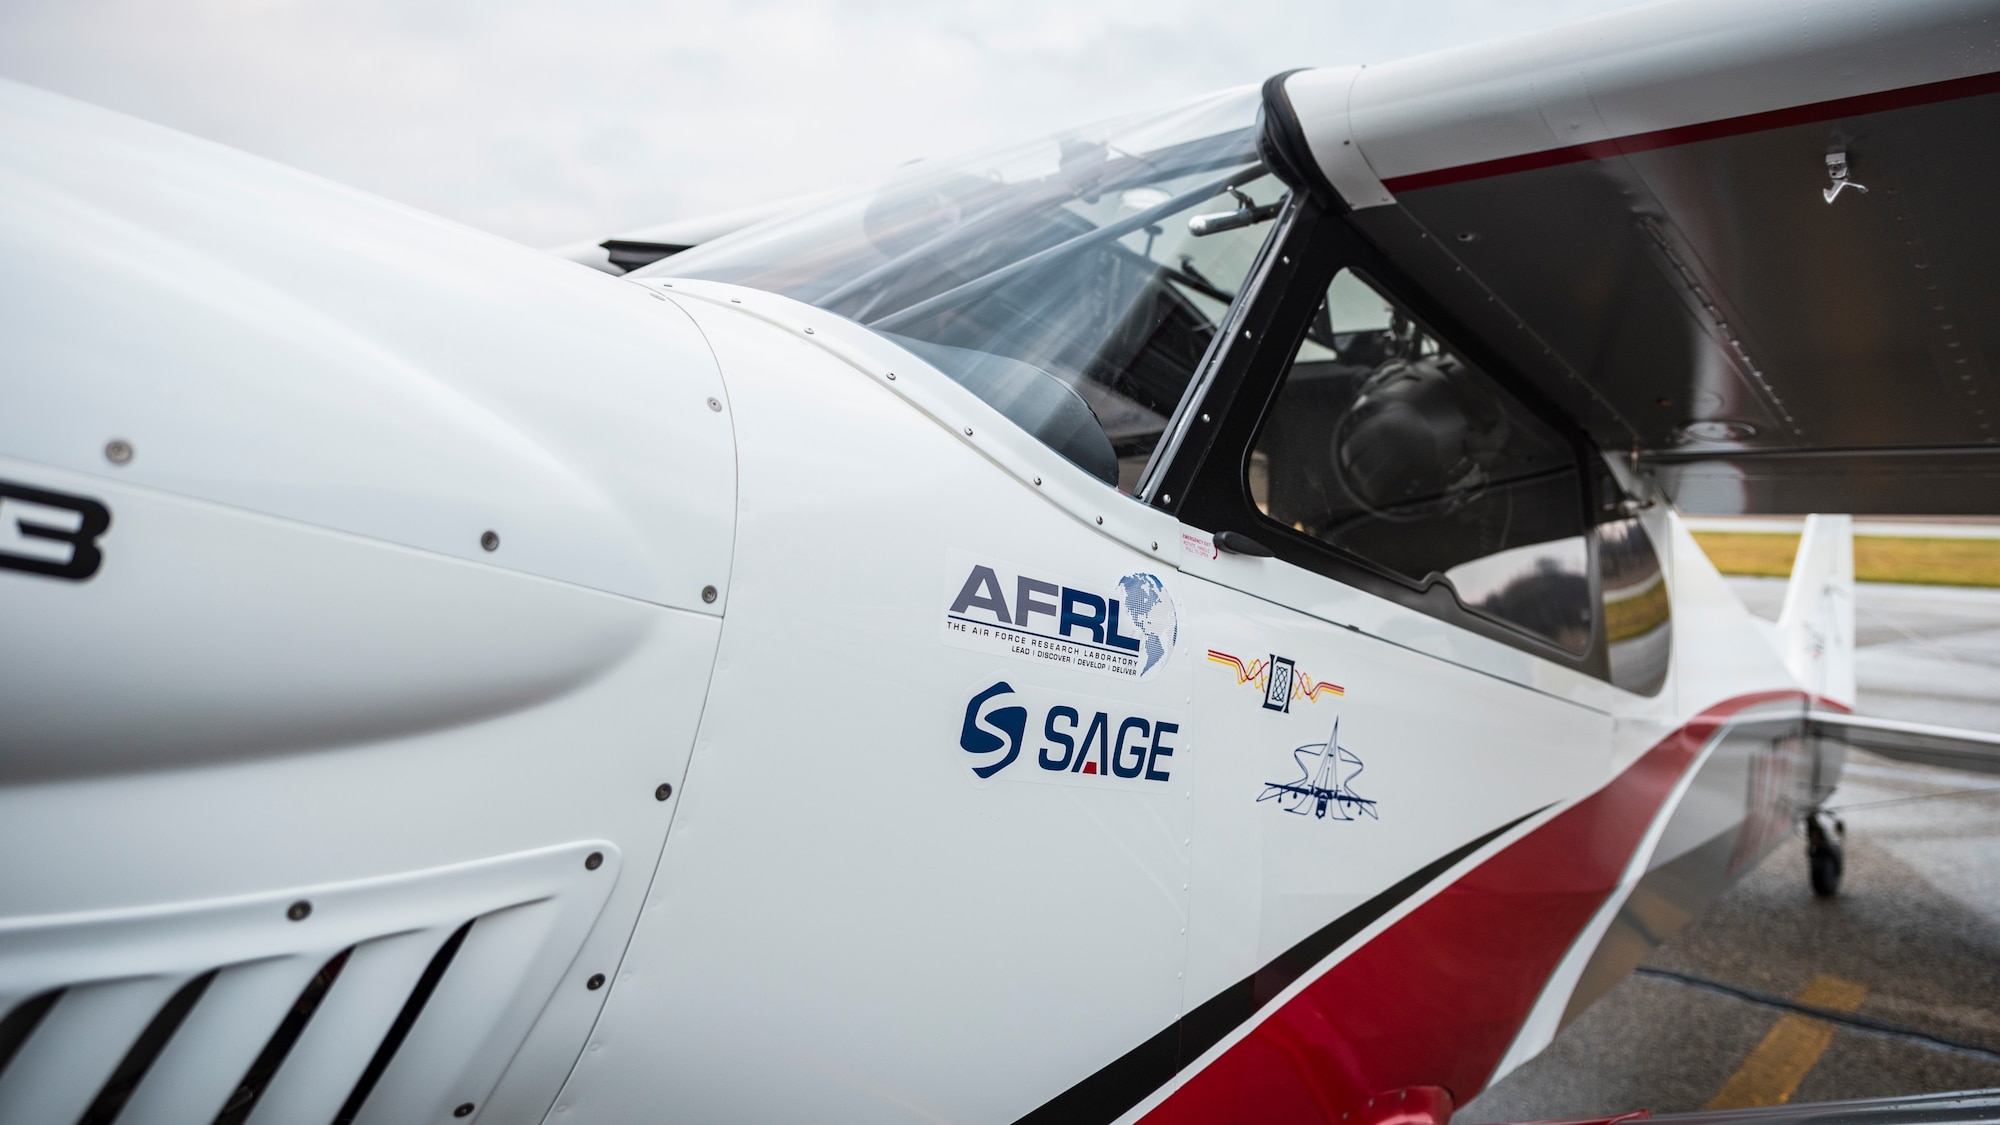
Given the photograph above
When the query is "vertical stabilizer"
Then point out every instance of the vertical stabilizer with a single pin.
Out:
(1816, 627)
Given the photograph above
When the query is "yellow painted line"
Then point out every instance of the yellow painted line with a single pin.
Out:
(1789, 1050)
(1925, 561)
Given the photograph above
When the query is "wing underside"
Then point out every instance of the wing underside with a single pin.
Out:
(1922, 743)
(1773, 276)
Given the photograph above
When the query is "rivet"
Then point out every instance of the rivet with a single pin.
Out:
(118, 451)
(666, 285)
(663, 792)
(1156, 546)
(490, 540)
(1246, 333)
(968, 431)
(595, 982)
(1165, 499)
(892, 376)
(715, 404)
(464, 1110)
(299, 911)
(809, 331)
(735, 300)
(1467, 236)
(708, 594)
(1285, 258)
(1038, 482)
(1204, 417)
(593, 861)
(1100, 521)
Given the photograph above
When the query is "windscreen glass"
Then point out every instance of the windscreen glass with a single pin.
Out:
(1074, 283)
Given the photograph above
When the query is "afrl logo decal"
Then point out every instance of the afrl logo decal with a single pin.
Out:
(1027, 734)
(1125, 627)
(50, 533)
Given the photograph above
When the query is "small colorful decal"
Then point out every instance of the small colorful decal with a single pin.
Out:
(1325, 785)
(1017, 731)
(1278, 678)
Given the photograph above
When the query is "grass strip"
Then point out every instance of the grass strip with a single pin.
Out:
(1910, 561)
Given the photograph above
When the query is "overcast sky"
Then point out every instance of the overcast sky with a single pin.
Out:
(551, 122)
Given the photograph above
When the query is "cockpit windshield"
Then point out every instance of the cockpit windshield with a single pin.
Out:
(1074, 283)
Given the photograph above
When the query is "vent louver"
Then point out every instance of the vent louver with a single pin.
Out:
(391, 1003)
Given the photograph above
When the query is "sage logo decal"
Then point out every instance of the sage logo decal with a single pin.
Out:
(50, 533)
(998, 728)
(1027, 733)
(1122, 626)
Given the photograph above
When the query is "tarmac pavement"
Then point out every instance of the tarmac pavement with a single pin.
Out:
(1898, 976)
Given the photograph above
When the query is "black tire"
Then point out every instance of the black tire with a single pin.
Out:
(1826, 864)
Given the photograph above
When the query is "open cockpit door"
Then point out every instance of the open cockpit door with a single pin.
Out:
(1753, 250)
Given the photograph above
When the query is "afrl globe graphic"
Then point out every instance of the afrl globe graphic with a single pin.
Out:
(1150, 609)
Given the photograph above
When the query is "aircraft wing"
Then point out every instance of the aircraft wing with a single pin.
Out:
(1922, 743)
(1643, 216)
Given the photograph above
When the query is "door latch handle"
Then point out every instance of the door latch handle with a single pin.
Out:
(1237, 543)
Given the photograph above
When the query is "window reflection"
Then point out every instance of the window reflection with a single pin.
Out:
(1543, 588)
(1638, 617)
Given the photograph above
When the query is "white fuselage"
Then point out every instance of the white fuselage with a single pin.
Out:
(701, 790)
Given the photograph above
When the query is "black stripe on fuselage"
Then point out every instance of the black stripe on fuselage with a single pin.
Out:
(1126, 1080)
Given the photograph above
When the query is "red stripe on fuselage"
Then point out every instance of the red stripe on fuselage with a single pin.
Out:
(1856, 106)
(1437, 998)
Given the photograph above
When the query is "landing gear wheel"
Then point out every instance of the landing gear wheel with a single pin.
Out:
(1826, 869)
(1825, 856)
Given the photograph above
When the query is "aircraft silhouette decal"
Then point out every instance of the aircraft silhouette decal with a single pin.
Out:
(1325, 783)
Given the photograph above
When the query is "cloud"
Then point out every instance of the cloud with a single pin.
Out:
(552, 122)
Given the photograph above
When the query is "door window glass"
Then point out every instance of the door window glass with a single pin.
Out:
(1384, 443)
(1638, 618)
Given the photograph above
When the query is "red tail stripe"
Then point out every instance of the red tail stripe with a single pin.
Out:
(1437, 998)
